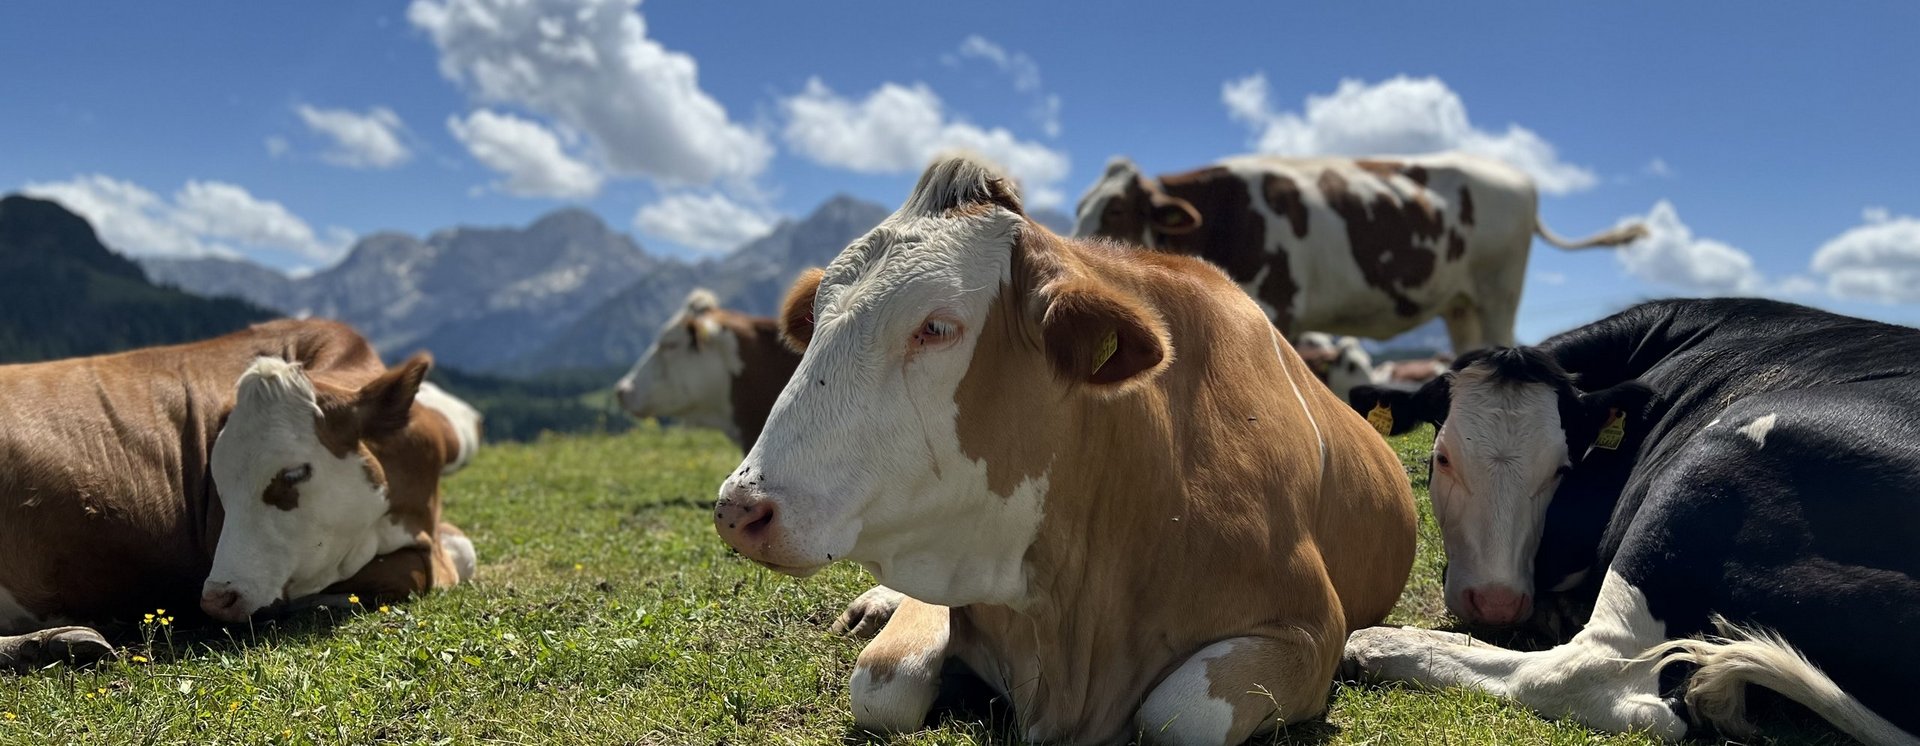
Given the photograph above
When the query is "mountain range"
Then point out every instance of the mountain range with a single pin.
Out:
(566, 292)
(64, 294)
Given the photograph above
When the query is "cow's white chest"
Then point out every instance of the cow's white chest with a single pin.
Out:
(14, 618)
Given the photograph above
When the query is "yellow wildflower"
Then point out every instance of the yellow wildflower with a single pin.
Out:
(577, 567)
(232, 706)
(11, 716)
(139, 659)
(102, 690)
(354, 599)
(149, 617)
(89, 695)
(384, 608)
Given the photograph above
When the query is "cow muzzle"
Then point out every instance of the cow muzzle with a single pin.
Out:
(226, 603)
(749, 520)
(1496, 605)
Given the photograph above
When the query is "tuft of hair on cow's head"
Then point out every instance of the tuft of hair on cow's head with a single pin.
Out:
(796, 311)
(962, 181)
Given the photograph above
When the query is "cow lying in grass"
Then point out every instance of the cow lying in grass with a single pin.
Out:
(244, 472)
(1106, 483)
(711, 367)
(1738, 467)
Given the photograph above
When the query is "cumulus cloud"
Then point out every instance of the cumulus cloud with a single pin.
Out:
(1878, 260)
(1023, 72)
(590, 68)
(898, 129)
(530, 156)
(203, 218)
(369, 139)
(706, 222)
(1672, 255)
(1398, 116)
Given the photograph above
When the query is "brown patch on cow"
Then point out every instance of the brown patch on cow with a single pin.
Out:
(1388, 169)
(1278, 289)
(766, 362)
(1381, 235)
(281, 494)
(1283, 197)
(1232, 235)
(1456, 245)
(1466, 206)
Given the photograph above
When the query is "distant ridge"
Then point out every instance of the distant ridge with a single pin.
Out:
(64, 294)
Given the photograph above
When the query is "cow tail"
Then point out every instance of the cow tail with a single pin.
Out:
(1622, 235)
(1716, 693)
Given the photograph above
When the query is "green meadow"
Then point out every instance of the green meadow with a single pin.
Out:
(605, 611)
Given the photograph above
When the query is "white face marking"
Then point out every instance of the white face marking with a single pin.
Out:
(687, 373)
(1090, 214)
(1182, 709)
(1496, 464)
(868, 465)
(464, 418)
(267, 553)
(1758, 429)
(14, 618)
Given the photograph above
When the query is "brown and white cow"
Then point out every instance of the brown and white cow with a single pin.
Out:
(711, 367)
(258, 468)
(1104, 481)
(1370, 247)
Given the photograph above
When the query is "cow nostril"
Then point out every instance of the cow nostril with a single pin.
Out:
(757, 520)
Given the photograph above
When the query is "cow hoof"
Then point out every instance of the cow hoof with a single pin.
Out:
(75, 645)
(460, 549)
(865, 617)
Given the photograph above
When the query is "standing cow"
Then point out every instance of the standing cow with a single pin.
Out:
(712, 368)
(1104, 481)
(247, 471)
(1734, 466)
(1365, 247)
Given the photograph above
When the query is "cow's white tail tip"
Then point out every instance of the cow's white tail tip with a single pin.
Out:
(1716, 693)
(1620, 236)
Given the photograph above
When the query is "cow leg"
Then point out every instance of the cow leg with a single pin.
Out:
(868, 613)
(1464, 325)
(1237, 688)
(898, 674)
(1600, 678)
(1497, 314)
(58, 644)
(459, 553)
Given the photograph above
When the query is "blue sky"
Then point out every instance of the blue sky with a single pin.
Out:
(1754, 137)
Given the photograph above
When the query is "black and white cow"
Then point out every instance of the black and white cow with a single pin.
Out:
(1738, 467)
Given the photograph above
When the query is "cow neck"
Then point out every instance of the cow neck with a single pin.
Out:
(765, 365)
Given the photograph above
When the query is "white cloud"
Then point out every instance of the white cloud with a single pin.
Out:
(1878, 260)
(1398, 116)
(1658, 167)
(1022, 70)
(1671, 255)
(898, 129)
(370, 139)
(709, 222)
(530, 156)
(590, 68)
(277, 146)
(204, 218)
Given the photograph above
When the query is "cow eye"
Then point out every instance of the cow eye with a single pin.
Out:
(934, 332)
(296, 474)
(1440, 458)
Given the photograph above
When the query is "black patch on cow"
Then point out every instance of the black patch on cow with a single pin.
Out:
(1382, 233)
(1466, 206)
(1456, 245)
(1284, 198)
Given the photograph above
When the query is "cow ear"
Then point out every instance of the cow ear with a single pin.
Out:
(796, 312)
(386, 404)
(1097, 335)
(1620, 409)
(1172, 215)
(1398, 409)
(694, 334)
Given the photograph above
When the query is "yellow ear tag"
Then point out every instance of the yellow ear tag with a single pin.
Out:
(1614, 431)
(1105, 352)
(1381, 418)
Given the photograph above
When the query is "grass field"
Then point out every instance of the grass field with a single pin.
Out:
(605, 611)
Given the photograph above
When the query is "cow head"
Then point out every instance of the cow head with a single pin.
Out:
(305, 500)
(1339, 362)
(688, 371)
(1512, 424)
(1124, 205)
(915, 436)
